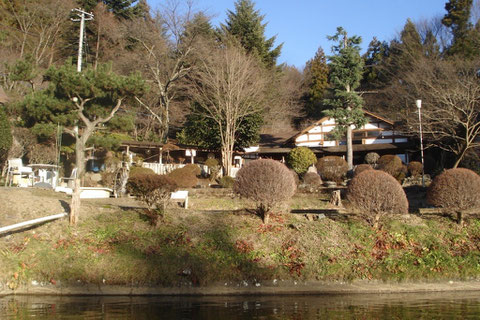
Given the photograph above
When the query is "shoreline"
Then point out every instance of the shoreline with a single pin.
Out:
(282, 288)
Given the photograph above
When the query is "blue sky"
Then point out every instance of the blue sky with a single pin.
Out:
(303, 25)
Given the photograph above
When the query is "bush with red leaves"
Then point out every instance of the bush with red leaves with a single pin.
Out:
(268, 183)
(374, 194)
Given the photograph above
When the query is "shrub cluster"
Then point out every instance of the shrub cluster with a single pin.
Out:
(266, 182)
(226, 182)
(375, 193)
(155, 190)
(455, 189)
(312, 179)
(372, 158)
(184, 177)
(300, 158)
(193, 168)
(332, 168)
(140, 171)
(415, 168)
(393, 165)
(362, 167)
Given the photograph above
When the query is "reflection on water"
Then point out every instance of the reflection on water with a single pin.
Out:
(459, 305)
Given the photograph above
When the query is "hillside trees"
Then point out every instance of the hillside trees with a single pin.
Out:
(316, 75)
(165, 50)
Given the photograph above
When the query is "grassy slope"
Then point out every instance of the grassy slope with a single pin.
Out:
(117, 246)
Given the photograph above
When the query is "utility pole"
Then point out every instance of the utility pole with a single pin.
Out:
(84, 16)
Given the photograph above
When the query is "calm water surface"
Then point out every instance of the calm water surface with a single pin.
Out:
(394, 306)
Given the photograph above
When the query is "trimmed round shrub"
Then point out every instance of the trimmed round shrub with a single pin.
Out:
(332, 168)
(362, 167)
(371, 158)
(295, 177)
(374, 194)
(184, 177)
(140, 171)
(455, 189)
(226, 182)
(415, 168)
(392, 165)
(312, 179)
(268, 183)
(300, 158)
(195, 169)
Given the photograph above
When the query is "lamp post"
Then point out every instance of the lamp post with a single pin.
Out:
(419, 107)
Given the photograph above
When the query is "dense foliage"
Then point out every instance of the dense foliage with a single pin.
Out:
(184, 177)
(300, 159)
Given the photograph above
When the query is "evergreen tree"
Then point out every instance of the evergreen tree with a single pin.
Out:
(458, 20)
(374, 58)
(5, 135)
(316, 70)
(245, 24)
(346, 69)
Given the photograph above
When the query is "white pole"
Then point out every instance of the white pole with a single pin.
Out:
(34, 221)
(89, 16)
(419, 107)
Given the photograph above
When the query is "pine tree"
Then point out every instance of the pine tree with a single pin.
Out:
(375, 56)
(458, 20)
(346, 69)
(319, 73)
(245, 24)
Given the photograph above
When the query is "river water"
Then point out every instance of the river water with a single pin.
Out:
(458, 305)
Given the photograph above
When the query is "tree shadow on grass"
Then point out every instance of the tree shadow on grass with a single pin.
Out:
(172, 258)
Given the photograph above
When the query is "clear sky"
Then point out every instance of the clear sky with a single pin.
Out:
(303, 25)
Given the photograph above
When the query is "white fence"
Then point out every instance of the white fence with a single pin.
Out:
(167, 168)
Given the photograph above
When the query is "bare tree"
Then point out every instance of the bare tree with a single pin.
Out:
(228, 86)
(450, 92)
(166, 58)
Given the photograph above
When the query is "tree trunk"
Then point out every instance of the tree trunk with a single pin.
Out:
(349, 148)
(460, 156)
(80, 164)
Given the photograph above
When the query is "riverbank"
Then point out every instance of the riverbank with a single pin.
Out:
(114, 249)
(242, 289)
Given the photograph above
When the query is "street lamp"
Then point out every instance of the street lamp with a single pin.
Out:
(419, 107)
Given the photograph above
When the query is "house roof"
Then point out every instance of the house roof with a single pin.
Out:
(316, 123)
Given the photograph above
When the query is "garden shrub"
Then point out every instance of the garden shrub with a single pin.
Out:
(374, 194)
(300, 158)
(184, 177)
(213, 167)
(140, 170)
(415, 168)
(332, 168)
(195, 169)
(362, 167)
(296, 178)
(155, 190)
(226, 182)
(392, 165)
(312, 179)
(268, 183)
(456, 190)
(371, 158)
